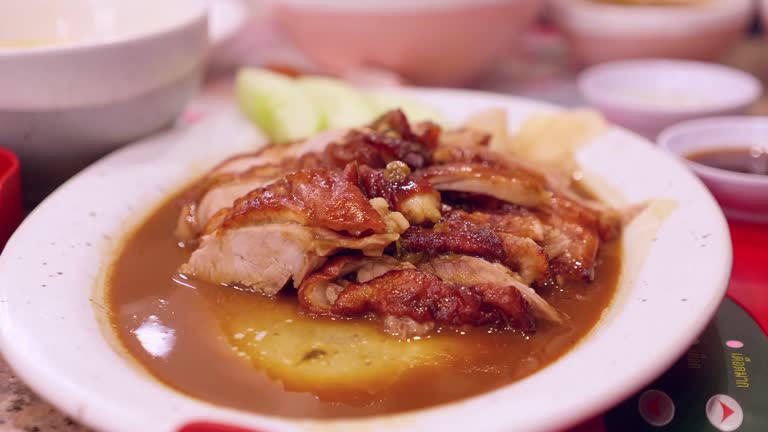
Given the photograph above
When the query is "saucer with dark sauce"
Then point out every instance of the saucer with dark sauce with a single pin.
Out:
(743, 159)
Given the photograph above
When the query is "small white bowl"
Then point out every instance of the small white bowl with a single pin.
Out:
(649, 95)
(600, 32)
(79, 78)
(742, 196)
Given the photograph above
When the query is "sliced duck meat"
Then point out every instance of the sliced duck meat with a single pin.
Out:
(466, 270)
(509, 219)
(521, 254)
(571, 248)
(411, 302)
(266, 257)
(213, 195)
(320, 290)
(285, 230)
(567, 205)
(425, 298)
(559, 199)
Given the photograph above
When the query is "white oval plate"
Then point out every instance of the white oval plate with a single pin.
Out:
(51, 333)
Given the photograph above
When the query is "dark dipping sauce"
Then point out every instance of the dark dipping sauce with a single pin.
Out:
(244, 350)
(747, 160)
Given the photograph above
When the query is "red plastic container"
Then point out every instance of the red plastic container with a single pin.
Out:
(10, 195)
(212, 427)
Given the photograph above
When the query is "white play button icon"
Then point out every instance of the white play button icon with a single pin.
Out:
(724, 413)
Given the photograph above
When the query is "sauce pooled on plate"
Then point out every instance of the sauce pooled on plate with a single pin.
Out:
(396, 267)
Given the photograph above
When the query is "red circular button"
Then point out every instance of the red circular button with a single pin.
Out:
(656, 407)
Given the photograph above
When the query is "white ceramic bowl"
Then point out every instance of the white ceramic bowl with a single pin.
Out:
(677, 259)
(78, 78)
(649, 95)
(742, 196)
(599, 32)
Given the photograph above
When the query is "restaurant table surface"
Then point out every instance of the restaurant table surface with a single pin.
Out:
(544, 76)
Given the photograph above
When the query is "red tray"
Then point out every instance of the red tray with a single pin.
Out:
(749, 278)
(10, 195)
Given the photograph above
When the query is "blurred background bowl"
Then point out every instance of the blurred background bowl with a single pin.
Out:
(428, 42)
(600, 32)
(649, 95)
(742, 196)
(79, 78)
(763, 12)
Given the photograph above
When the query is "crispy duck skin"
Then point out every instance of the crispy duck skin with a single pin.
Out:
(319, 291)
(511, 220)
(424, 297)
(463, 237)
(571, 248)
(241, 174)
(389, 139)
(397, 141)
(568, 206)
(517, 187)
(320, 198)
(413, 197)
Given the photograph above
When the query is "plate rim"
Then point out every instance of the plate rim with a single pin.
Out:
(14, 350)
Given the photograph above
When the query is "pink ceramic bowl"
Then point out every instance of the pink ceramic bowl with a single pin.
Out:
(742, 196)
(602, 32)
(432, 42)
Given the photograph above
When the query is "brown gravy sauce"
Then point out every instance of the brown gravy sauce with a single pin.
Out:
(190, 337)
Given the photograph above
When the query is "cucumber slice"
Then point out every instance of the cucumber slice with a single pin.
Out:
(276, 104)
(339, 105)
(414, 110)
